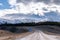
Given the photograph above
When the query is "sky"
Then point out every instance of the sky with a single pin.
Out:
(4, 4)
(39, 7)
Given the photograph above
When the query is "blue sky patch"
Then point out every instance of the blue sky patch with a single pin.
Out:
(5, 4)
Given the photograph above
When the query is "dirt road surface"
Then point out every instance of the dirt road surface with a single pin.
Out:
(35, 33)
(43, 33)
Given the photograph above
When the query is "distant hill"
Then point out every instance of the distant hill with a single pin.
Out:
(30, 17)
(32, 24)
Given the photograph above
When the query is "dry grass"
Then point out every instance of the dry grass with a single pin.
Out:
(6, 35)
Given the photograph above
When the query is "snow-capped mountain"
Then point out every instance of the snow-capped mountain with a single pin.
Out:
(19, 17)
(53, 16)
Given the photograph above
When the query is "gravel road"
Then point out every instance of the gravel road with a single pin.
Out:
(39, 34)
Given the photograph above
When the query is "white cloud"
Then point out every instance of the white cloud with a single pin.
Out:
(12, 2)
(32, 7)
(7, 11)
(36, 8)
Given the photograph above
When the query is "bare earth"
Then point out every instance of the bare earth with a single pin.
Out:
(5, 35)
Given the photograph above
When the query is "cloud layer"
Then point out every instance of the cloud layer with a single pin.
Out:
(37, 7)
(45, 1)
(32, 6)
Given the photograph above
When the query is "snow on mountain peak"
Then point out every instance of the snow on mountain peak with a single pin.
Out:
(19, 18)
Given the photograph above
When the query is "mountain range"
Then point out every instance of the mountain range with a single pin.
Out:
(26, 18)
